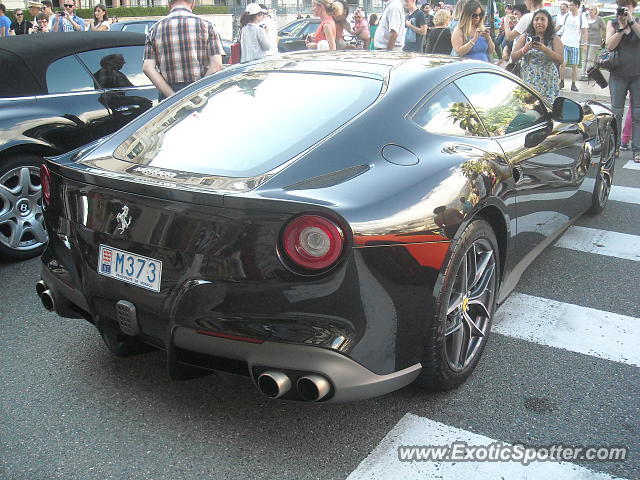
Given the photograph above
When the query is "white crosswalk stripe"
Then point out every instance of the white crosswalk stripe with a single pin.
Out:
(383, 462)
(570, 327)
(625, 194)
(601, 242)
(632, 165)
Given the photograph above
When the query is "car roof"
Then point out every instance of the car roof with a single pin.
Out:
(356, 62)
(28, 56)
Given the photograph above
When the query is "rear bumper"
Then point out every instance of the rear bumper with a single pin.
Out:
(350, 381)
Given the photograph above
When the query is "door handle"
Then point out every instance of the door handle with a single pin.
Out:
(126, 108)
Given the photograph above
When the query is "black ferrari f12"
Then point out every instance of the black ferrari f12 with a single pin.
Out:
(332, 225)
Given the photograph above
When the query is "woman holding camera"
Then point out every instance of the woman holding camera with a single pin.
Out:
(470, 38)
(254, 40)
(540, 52)
(623, 35)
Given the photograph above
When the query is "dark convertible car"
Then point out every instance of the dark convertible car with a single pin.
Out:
(358, 240)
(58, 92)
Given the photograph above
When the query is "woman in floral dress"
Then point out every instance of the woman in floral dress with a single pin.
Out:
(540, 53)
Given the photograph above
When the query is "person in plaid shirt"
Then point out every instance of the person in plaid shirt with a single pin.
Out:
(181, 49)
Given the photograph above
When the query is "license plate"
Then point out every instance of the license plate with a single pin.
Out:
(128, 267)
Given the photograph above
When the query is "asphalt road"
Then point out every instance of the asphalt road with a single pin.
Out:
(69, 410)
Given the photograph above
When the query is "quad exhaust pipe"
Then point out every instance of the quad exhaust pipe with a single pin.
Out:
(46, 296)
(274, 384)
(311, 388)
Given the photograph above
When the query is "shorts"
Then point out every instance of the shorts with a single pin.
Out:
(572, 56)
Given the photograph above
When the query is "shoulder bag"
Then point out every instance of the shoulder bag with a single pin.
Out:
(608, 59)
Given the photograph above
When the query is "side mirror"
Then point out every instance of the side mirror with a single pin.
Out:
(566, 111)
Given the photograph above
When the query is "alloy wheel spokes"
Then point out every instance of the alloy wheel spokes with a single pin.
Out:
(484, 271)
(468, 313)
(455, 301)
(472, 324)
(21, 221)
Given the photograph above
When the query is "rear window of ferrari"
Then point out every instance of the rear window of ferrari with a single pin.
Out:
(250, 124)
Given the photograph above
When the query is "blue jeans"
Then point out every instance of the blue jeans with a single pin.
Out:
(618, 87)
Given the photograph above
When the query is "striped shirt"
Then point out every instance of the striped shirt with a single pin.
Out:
(181, 45)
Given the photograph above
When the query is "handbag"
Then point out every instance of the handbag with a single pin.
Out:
(608, 59)
(595, 74)
(514, 67)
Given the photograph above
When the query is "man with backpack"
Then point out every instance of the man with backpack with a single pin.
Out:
(574, 34)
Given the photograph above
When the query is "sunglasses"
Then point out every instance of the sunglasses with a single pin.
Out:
(477, 15)
(68, 5)
(19, 14)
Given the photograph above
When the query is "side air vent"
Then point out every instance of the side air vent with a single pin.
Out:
(329, 179)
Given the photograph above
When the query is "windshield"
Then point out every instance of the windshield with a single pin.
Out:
(250, 124)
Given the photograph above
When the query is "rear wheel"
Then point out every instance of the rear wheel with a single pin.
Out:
(457, 335)
(604, 176)
(22, 231)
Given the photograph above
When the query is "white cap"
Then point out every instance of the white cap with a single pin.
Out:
(254, 8)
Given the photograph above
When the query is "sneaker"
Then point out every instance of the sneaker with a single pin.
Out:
(573, 87)
(636, 157)
(561, 83)
(624, 146)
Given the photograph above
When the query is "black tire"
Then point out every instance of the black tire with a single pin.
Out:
(118, 343)
(604, 175)
(456, 337)
(22, 231)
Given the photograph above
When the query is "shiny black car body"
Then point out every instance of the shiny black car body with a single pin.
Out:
(54, 97)
(293, 36)
(358, 240)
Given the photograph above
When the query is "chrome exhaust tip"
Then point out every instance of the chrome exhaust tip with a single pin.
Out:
(41, 287)
(313, 388)
(273, 384)
(47, 301)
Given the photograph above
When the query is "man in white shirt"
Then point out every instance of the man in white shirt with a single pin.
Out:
(574, 34)
(562, 16)
(525, 21)
(391, 27)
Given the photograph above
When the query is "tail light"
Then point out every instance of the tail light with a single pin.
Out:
(45, 182)
(313, 242)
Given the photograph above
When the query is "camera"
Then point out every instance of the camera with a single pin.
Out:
(620, 11)
(60, 12)
(534, 39)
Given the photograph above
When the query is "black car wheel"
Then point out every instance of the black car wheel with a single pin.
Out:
(604, 177)
(458, 333)
(22, 230)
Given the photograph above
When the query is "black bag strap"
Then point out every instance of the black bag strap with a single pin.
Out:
(438, 39)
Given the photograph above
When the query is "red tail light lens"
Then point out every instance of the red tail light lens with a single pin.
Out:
(313, 242)
(45, 182)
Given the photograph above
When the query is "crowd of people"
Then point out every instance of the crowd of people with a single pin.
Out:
(528, 40)
(45, 20)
